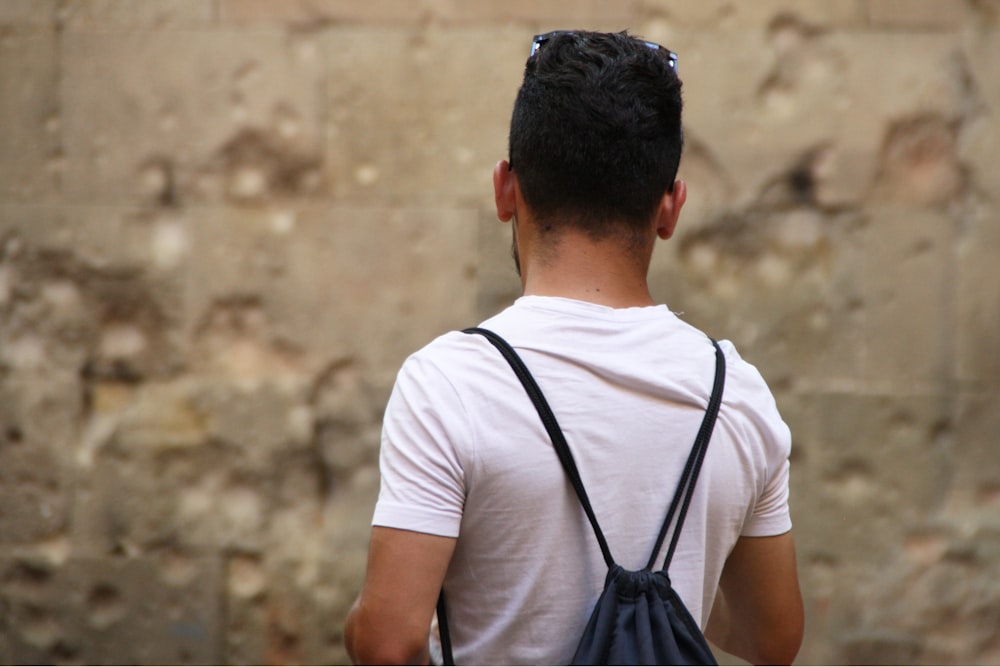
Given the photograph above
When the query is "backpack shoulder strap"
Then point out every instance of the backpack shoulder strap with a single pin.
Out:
(565, 458)
(685, 488)
(552, 426)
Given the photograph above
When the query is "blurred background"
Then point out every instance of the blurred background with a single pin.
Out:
(225, 223)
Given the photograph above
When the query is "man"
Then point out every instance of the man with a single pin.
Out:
(473, 496)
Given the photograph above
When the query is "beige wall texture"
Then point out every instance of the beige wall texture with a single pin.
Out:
(225, 223)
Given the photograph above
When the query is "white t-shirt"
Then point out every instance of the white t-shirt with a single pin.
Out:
(464, 454)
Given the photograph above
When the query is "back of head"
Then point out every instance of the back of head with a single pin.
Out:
(595, 137)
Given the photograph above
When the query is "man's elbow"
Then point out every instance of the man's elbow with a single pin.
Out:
(780, 644)
(367, 645)
(390, 652)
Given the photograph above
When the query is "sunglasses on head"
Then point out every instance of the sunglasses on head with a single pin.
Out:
(538, 40)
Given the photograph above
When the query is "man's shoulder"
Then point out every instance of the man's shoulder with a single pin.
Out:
(443, 349)
(742, 374)
(454, 348)
(452, 358)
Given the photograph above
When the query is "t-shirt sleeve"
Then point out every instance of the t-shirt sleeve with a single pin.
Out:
(422, 471)
(769, 515)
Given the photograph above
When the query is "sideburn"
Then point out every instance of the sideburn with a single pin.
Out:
(513, 248)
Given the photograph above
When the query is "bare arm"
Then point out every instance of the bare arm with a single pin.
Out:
(390, 622)
(758, 612)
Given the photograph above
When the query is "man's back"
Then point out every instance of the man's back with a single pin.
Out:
(465, 455)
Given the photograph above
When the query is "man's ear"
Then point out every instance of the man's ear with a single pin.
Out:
(670, 210)
(505, 191)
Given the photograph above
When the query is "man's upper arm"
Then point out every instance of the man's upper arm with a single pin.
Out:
(417, 516)
(390, 621)
(426, 439)
(758, 614)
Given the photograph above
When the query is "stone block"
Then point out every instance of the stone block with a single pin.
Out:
(907, 288)
(92, 291)
(307, 12)
(347, 414)
(5, 650)
(37, 428)
(210, 463)
(301, 488)
(936, 601)
(870, 468)
(811, 102)
(167, 117)
(29, 107)
(260, 423)
(420, 115)
(364, 285)
(977, 296)
(117, 239)
(920, 164)
(294, 616)
(976, 483)
(169, 14)
(166, 465)
(917, 14)
(781, 284)
(978, 139)
(750, 16)
(347, 519)
(127, 505)
(594, 14)
(881, 648)
(772, 91)
(894, 75)
(888, 78)
(28, 13)
(155, 610)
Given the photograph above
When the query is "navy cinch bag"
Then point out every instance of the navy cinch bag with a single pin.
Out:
(639, 619)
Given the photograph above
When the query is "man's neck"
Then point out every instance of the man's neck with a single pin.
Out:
(577, 267)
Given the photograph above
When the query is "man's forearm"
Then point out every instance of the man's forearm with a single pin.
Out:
(349, 630)
(369, 644)
(757, 615)
(720, 631)
(719, 628)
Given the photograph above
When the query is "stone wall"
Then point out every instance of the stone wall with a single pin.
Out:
(225, 223)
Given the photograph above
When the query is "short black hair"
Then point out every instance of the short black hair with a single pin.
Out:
(595, 136)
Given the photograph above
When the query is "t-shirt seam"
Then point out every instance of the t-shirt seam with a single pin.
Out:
(595, 311)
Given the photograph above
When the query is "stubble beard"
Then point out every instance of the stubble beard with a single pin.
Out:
(513, 248)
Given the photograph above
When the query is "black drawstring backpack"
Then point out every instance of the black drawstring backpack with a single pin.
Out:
(639, 619)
